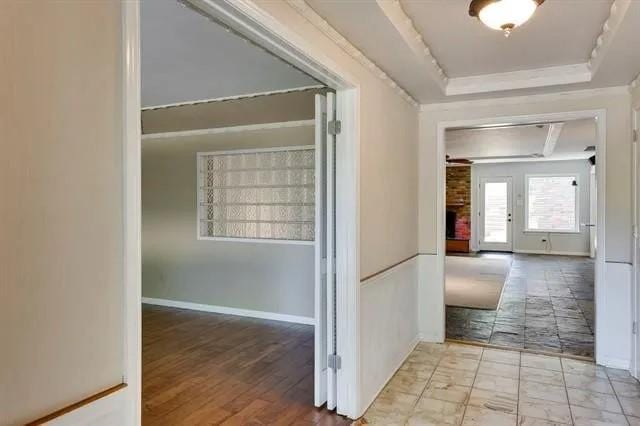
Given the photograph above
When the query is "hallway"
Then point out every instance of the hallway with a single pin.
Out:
(547, 305)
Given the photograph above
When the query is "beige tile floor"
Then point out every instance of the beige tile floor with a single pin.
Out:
(453, 384)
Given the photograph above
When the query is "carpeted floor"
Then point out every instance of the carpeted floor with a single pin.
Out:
(475, 282)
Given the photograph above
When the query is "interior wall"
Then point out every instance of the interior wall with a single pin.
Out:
(275, 278)
(531, 242)
(61, 220)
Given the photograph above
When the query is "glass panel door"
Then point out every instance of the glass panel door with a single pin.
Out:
(495, 214)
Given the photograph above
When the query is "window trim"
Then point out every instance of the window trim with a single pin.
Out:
(576, 230)
(201, 154)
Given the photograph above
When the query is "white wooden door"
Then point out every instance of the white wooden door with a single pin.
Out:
(635, 363)
(331, 252)
(325, 277)
(320, 355)
(496, 214)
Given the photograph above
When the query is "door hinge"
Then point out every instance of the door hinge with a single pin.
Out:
(634, 327)
(334, 362)
(334, 127)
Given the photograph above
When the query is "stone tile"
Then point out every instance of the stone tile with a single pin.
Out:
(631, 406)
(391, 405)
(583, 368)
(589, 417)
(599, 401)
(626, 389)
(436, 412)
(496, 384)
(447, 392)
(502, 357)
(620, 375)
(464, 351)
(496, 401)
(458, 363)
(633, 421)
(534, 390)
(500, 370)
(537, 375)
(406, 382)
(541, 361)
(545, 410)
(418, 369)
(588, 383)
(475, 416)
(454, 377)
(532, 421)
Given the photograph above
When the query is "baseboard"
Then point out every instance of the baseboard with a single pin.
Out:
(229, 311)
(622, 364)
(412, 346)
(553, 252)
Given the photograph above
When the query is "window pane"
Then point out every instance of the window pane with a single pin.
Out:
(495, 212)
(552, 203)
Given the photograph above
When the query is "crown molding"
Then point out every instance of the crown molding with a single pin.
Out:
(324, 27)
(610, 28)
(525, 79)
(231, 98)
(526, 99)
(394, 12)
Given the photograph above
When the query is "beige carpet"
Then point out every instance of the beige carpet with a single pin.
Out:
(475, 282)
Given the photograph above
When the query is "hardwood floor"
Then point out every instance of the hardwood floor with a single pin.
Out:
(205, 368)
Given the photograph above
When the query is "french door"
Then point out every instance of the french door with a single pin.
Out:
(496, 214)
(325, 380)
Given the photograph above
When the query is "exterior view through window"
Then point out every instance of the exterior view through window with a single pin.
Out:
(495, 218)
(552, 203)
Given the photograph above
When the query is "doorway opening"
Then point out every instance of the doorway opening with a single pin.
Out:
(256, 173)
(521, 233)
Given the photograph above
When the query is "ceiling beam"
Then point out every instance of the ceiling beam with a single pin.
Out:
(552, 138)
(414, 41)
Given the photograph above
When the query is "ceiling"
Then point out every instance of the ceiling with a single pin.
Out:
(545, 142)
(438, 53)
(185, 58)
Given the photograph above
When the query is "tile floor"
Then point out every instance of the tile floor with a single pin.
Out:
(453, 384)
(547, 305)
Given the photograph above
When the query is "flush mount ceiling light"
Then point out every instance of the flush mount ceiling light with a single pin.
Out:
(503, 15)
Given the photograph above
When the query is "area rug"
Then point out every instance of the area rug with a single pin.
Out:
(475, 282)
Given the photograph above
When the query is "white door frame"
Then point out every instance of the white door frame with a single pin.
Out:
(601, 130)
(635, 281)
(252, 22)
(481, 214)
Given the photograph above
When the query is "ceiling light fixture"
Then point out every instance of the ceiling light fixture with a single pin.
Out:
(503, 15)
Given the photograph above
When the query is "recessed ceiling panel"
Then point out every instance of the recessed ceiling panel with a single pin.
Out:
(186, 57)
(561, 32)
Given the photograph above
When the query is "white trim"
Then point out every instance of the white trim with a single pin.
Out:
(229, 310)
(257, 150)
(232, 98)
(622, 364)
(552, 138)
(413, 39)
(132, 212)
(576, 229)
(635, 252)
(553, 252)
(540, 77)
(635, 82)
(229, 129)
(610, 29)
(528, 99)
(601, 127)
(257, 240)
(112, 409)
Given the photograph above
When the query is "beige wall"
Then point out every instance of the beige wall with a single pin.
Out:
(61, 211)
(277, 278)
(616, 102)
(388, 130)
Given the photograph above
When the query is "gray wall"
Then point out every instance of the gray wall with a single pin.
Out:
(532, 241)
(177, 266)
(61, 221)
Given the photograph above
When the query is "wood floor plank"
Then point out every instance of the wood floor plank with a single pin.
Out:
(202, 368)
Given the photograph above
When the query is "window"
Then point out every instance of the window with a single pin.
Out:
(261, 194)
(552, 203)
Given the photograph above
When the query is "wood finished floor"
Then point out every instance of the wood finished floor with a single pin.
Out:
(204, 368)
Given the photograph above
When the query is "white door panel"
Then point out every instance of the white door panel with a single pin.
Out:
(496, 214)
